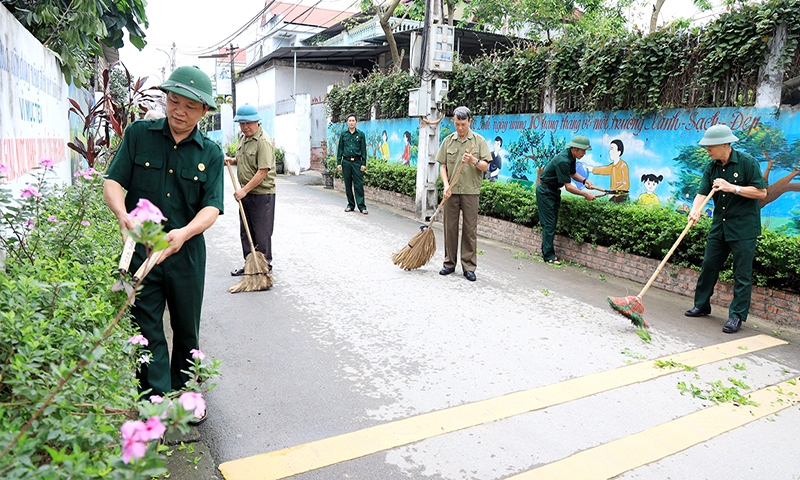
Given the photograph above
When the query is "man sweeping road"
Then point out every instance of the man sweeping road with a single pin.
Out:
(736, 223)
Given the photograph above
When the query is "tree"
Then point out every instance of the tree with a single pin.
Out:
(703, 5)
(75, 31)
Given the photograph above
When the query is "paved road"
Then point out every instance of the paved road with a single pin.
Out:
(525, 370)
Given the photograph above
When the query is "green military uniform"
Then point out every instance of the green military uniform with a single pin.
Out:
(465, 197)
(180, 180)
(556, 174)
(734, 229)
(352, 155)
(253, 154)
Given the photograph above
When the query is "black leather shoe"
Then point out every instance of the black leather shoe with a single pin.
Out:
(732, 325)
(470, 276)
(446, 271)
(237, 272)
(696, 312)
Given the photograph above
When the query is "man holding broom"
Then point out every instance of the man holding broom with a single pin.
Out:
(464, 156)
(735, 226)
(559, 172)
(171, 163)
(255, 160)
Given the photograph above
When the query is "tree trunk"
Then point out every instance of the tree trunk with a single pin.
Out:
(654, 17)
(383, 18)
(780, 187)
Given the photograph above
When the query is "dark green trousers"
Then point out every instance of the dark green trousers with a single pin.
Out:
(548, 201)
(177, 283)
(353, 181)
(717, 251)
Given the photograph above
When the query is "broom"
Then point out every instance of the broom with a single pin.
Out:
(256, 268)
(420, 249)
(632, 307)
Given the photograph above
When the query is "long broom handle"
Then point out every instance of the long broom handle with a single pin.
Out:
(241, 209)
(455, 179)
(675, 245)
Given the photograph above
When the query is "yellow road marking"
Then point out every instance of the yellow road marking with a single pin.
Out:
(614, 458)
(341, 448)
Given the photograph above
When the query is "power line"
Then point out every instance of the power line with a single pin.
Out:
(233, 35)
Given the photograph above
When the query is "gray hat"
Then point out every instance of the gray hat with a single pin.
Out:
(718, 135)
(580, 141)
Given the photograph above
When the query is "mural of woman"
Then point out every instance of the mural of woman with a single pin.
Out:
(385, 146)
(407, 150)
(617, 170)
(651, 182)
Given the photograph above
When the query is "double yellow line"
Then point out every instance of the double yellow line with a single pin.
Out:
(602, 462)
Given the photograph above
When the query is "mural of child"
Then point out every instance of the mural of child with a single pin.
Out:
(407, 150)
(651, 182)
(497, 160)
(617, 170)
(385, 146)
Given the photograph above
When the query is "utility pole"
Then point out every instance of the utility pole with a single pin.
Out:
(172, 57)
(232, 51)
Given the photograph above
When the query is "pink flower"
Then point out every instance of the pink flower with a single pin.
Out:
(146, 211)
(29, 224)
(197, 354)
(133, 444)
(153, 429)
(47, 163)
(52, 218)
(3, 169)
(87, 174)
(156, 399)
(30, 191)
(193, 401)
(138, 340)
(85, 223)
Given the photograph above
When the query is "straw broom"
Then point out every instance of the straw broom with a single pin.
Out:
(422, 246)
(631, 306)
(256, 268)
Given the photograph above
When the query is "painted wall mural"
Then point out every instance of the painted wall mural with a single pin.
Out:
(651, 159)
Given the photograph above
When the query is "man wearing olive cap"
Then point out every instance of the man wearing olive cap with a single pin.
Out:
(255, 158)
(559, 172)
(735, 226)
(172, 164)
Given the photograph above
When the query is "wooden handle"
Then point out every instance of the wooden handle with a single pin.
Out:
(146, 266)
(127, 255)
(241, 209)
(675, 245)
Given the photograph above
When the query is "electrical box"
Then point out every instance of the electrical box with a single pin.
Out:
(417, 103)
(440, 89)
(441, 48)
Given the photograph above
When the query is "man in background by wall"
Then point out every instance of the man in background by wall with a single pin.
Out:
(351, 160)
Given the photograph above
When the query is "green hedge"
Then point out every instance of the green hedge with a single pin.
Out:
(628, 227)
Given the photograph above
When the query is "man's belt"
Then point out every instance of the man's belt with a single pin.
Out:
(552, 186)
(353, 159)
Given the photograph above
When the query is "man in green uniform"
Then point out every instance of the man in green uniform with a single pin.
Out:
(735, 226)
(559, 172)
(468, 151)
(171, 163)
(351, 160)
(255, 158)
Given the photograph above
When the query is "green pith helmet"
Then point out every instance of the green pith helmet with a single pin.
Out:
(580, 141)
(192, 83)
(247, 113)
(718, 135)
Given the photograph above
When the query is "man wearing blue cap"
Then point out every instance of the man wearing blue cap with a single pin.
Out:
(255, 158)
(172, 164)
(735, 226)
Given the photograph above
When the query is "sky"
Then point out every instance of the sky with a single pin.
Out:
(197, 25)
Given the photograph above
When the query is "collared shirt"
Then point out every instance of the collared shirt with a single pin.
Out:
(253, 154)
(179, 179)
(450, 153)
(735, 217)
(352, 145)
(559, 170)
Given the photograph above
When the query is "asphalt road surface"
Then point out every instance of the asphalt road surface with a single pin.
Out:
(350, 368)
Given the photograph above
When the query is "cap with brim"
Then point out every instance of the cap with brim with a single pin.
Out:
(247, 113)
(192, 83)
(580, 141)
(718, 135)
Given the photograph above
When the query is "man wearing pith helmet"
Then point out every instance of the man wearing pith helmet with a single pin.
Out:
(735, 226)
(255, 158)
(559, 172)
(172, 164)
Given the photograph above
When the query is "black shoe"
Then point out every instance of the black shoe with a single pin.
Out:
(470, 276)
(237, 272)
(696, 312)
(446, 271)
(732, 325)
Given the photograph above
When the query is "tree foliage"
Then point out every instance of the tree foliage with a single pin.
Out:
(75, 31)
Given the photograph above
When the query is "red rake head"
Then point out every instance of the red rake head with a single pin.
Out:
(630, 307)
